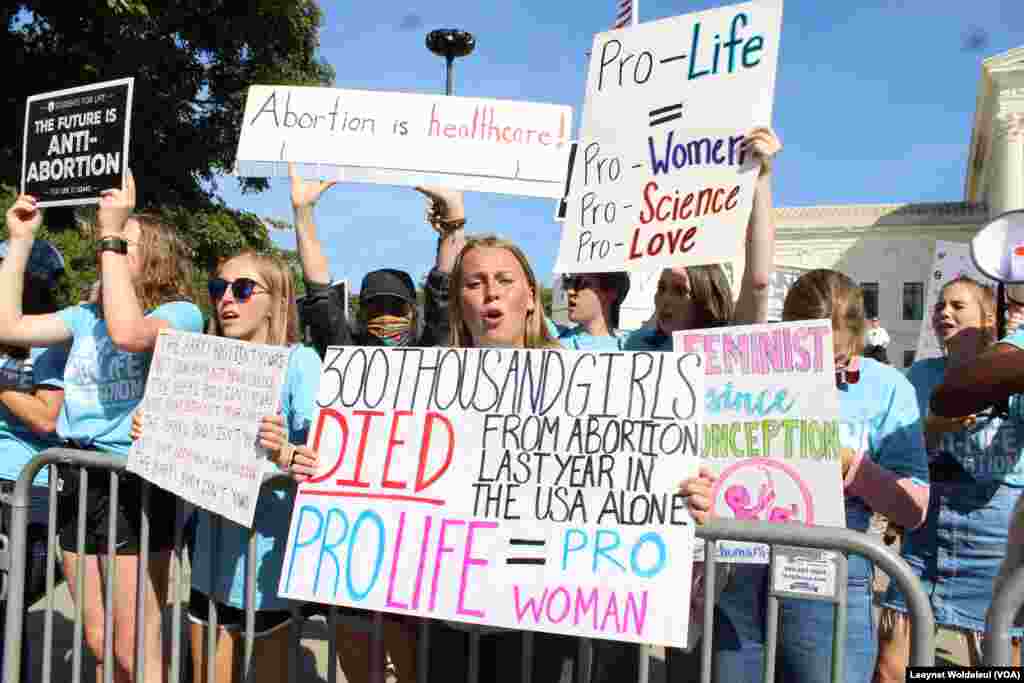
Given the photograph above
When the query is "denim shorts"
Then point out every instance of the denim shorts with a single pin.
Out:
(805, 630)
(958, 550)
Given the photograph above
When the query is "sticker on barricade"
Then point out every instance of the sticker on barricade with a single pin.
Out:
(804, 573)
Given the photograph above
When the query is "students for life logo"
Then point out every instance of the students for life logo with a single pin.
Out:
(764, 490)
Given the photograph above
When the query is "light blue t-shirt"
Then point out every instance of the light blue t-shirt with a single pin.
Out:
(879, 416)
(578, 339)
(647, 339)
(221, 546)
(18, 443)
(102, 384)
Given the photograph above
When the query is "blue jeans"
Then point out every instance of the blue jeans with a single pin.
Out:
(958, 550)
(805, 630)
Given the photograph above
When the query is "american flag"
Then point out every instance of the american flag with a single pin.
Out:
(623, 14)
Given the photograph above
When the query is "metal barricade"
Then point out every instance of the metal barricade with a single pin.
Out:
(841, 540)
(1006, 603)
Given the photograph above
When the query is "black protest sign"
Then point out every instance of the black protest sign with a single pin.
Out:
(76, 142)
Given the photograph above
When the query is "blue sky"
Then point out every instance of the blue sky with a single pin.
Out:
(874, 102)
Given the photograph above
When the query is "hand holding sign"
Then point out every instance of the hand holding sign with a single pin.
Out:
(115, 207)
(306, 193)
(764, 144)
(24, 218)
(698, 494)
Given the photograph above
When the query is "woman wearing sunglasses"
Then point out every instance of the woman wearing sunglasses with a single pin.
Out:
(594, 300)
(254, 301)
(146, 277)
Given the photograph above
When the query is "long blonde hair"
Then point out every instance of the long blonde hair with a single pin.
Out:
(536, 333)
(284, 313)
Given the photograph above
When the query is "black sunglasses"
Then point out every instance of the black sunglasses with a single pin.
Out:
(242, 289)
(579, 282)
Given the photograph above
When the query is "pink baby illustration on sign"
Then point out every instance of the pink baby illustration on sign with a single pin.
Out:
(781, 495)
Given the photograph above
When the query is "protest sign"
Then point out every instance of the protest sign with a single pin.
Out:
(782, 279)
(659, 177)
(395, 138)
(771, 429)
(952, 259)
(76, 142)
(205, 397)
(524, 489)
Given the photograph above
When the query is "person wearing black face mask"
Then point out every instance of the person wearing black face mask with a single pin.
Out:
(388, 311)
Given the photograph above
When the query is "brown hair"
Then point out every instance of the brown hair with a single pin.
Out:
(986, 298)
(284, 313)
(711, 294)
(824, 293)
(167, 269)
(537, 335)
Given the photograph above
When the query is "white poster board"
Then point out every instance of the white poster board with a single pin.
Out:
(952, 259)
(462, 143)
(771, 426)
(659, 177)
(532, 490)
(205, 397)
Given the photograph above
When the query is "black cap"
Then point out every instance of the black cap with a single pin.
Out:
(388, 282)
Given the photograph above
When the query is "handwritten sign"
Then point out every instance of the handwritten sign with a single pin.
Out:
(524, 489)
(771, 430)
(204, 399)
(952, 259)
(660, 177)
(76, 142)
(666, 199)
(395, 138)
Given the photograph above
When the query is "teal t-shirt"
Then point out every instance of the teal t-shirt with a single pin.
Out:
(18, 443)
(647, 339)
(220, 550)
(879, 417)
(578, 339)
(102, 384)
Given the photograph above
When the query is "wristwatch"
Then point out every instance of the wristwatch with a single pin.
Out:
(117, 245)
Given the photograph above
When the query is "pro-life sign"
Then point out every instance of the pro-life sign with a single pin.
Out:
(660, 178)
(76, 142)
(463, 143)
(523, 489)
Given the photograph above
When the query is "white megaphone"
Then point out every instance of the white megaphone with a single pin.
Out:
(998, 252)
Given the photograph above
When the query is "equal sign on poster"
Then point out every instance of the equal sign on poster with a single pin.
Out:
(659, 177)
(464, 143)
(522, 489)
(771, 426)
(76, 143)
(205, 397)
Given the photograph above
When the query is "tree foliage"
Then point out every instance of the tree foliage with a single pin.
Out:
(192, 62)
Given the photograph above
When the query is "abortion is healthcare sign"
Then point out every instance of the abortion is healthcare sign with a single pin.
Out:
(526, 489)
(771, 431)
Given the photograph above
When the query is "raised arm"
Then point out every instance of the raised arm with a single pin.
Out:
(447, 215)
(129, 327)
(305, 194)
(993, 376)
(752, 305)
(24, 219)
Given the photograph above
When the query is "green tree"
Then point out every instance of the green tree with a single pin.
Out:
(192, 62)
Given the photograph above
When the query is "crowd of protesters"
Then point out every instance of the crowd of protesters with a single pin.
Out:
(949, 483)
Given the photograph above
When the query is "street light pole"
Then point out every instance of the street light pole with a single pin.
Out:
(450, 43)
